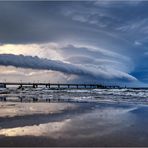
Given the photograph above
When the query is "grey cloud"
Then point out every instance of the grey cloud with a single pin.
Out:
(46, 64)
(87, 60)
(97, 56)
(27, 22)
(80, 59)
(92, 52)
(37, 63)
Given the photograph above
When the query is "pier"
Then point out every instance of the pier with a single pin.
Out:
(57, 85)
(51, 85)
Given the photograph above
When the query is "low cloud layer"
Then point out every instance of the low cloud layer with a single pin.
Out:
(21, 61)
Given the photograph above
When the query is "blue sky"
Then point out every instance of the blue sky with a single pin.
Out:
(81, 41)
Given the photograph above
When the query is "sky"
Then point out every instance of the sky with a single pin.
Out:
(74, 42)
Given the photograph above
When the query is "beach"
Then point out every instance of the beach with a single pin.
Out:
(74, 73)
(73, 124)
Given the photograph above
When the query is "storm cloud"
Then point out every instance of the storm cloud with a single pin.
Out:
(21, 61)
(91, 39)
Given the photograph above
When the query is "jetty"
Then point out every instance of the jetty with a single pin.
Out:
(54, 85)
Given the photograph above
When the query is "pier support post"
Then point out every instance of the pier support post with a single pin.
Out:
(4, 85)
(34, 99)
(35, 85)
(5, 99)
(68, 86)
(20, 86)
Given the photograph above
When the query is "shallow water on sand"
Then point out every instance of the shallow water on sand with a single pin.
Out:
(73, 124)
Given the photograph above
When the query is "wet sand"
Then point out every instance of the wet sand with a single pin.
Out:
(73, 124)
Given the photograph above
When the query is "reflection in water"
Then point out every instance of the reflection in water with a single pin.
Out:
(36, 130)
(94, 125)
(97, 122)
(18, 109)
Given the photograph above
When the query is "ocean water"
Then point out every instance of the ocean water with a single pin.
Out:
(136, 96)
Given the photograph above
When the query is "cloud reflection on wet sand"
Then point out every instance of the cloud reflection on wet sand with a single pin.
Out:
(96, 127)
(19, 109)
(35, 130)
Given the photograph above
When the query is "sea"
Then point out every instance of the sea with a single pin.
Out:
(41, 94)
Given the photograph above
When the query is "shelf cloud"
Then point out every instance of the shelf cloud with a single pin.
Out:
(21, 61)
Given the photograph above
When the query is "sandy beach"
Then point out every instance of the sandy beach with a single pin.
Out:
(73, 124)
